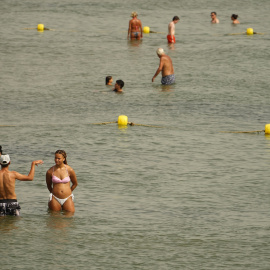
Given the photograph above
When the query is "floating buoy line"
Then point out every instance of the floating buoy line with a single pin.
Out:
(147, 30)
(123, 121)
(248, 32)
(266, 130)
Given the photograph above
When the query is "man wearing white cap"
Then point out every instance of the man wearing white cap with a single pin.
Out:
(8, 199)
(166, 66)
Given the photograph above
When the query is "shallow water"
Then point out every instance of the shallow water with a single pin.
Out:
(183, 196)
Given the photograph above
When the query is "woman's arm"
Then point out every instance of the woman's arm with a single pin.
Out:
(73, 178)
(49, 180)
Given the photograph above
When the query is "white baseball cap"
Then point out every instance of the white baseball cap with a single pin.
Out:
(4, 159)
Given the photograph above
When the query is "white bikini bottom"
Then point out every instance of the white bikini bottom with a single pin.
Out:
(61, 201)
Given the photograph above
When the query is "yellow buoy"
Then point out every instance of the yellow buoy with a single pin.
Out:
(250, 31)
(146, 30)
(267, 129)
(40, 27)
(122, 120)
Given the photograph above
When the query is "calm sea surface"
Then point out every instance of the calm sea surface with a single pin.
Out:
(183, 196)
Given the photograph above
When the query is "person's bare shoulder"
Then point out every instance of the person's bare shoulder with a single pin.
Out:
(50, 170)
(13, 175)
(69, 169)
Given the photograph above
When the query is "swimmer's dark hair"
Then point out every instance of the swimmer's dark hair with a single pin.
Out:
(0, 149)
(120, 83)
(235, 16)
(108, 79)
(63, 153)
(175, 18)
(5, 165)
(214, 12)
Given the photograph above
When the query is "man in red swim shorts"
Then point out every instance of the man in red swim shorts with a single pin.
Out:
(171, 29)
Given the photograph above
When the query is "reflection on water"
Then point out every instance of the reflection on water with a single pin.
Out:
(59, 220)
(171, 46)
(167, 88)
(267, 137)
(134, 43)
(122, 128)
(9, 223)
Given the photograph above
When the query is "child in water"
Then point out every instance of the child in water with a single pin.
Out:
(109, 80)
(234, 19)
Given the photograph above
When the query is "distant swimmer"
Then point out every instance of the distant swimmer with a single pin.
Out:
(8, 200)
(135, 27)
(118, 88)
(214, 17)
(166, 67)
(109, 80)
(58, 179)
(171, 29)
(234, 19)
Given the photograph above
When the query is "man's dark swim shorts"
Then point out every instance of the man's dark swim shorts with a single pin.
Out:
(9, 207)
(170, 79)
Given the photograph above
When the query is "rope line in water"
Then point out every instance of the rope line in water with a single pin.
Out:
(129, 123)
(105, 123)
(252, 131)
(244, 33)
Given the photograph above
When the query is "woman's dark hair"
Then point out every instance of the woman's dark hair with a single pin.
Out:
(0, 149)
(235, 16)
(108, 78)
(63, 153)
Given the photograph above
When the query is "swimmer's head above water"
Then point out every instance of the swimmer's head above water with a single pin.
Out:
(160, 51)
(4, 160)
(176, 18)
(63, 153)
(109, 80)
(234, 16)
(134, 14)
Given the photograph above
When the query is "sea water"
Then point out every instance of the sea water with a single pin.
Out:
(182, 196)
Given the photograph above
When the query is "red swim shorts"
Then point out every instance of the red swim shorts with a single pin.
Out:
(170, 39)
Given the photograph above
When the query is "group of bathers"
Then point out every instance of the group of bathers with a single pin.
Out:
(11, 207)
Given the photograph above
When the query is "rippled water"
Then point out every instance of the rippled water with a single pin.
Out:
(183, 196)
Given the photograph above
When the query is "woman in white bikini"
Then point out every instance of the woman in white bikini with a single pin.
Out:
(58, 180)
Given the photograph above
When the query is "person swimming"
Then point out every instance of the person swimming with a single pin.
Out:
(234, 19)
(214, 18)
(118, 88)
(109, 80)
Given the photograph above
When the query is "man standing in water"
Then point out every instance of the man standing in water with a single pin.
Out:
(118, 87)
(8, 200)
(171, 29)
(166, 67)
(135, 27)
(214, 17)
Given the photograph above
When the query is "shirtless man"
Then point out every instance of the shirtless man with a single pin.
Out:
(118, 87)
(166, 67)
(171, 29)
(135, 27)
(214, 17)
(8, 199)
